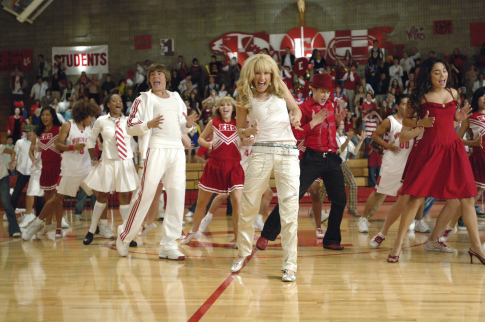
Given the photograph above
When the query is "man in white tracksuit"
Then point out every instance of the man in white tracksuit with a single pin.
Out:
(158, 117)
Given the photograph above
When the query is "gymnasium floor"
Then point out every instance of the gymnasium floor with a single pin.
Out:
(51, 279)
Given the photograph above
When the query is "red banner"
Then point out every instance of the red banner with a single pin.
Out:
(443, 27)
(143, 42)
(21, 58)
(477, 34)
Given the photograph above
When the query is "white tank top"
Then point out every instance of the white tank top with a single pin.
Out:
(170, 135)
(394, 163)
(76, 163)
(274, 122)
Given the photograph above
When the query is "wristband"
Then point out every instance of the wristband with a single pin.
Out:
(417, 123)
(71, 147)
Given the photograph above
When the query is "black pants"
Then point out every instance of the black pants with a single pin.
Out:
(17, 191)
(313, 166)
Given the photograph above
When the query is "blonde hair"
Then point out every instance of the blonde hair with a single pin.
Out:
(223, 100)
(260, 63)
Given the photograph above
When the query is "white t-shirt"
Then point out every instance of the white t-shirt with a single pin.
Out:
(22, 149)
(3, 167)
(169, 136)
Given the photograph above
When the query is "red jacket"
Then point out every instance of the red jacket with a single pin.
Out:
(11, 122)
(323, 137)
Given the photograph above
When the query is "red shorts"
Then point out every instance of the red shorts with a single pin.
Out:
(50, 175)
(222, 176)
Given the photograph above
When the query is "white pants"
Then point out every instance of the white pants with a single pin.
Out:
(287, 176)
(168, 166)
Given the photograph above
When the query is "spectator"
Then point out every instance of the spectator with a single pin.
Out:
(371, 121)
(60, 69)
(351, 79)
(14, 125)
(82, 93)
(175, 81)
(17, 86)
(196, 71)
(55, 86)
(376, 53)
(481, 60)
(44, 68)
(318, 61)
(68, 92)
(38, 90)
(471, 77)
(186, 84)
(371, 75)
(93, 89)
(415, 55)
(108, 86)
(339, 98)
(83, 79)
(183, 70)
(407, 64)
(479, 83)
(395, 85)
(288, 59)
(369, 105)
(212, 85)
(396, 71)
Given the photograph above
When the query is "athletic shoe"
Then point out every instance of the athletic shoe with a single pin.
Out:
(421, 227)
(353, 213)
(258, 223)
(334, 247)
(189, 214)
(5, 217)
(437, 246)
(377, 240)
(288, 277)
(205, 222)
(19, 210)
(32, 229)
(17, 234)
(412, 226)
(79, 217)
(262, 243)
(448, 233)
(46, 229)
(191, 236)
(64, 223)
(59, 233)
(363, 225)
(26, 220)
(172, 254)
(182, 236)
(133, 244)
(146, 229)
(325, 215)
(88, 239)
(480, 214)
(320, 234)
(161, 215)
(121, 247)
(105, 231)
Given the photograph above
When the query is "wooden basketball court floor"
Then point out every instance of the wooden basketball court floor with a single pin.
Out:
(50, 279)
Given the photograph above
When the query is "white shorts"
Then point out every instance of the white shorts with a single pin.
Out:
(113, 175)
(34, 186)
(389, 184)
(69, 185)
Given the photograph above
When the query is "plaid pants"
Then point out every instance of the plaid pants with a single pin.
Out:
(349, 182)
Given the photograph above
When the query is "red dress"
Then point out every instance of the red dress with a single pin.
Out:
(223, 172)
(438, 164)
(51, 159)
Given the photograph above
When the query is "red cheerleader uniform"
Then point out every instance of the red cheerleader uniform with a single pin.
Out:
(51, 158)
(223, 172)
(477, 158)
(438, 164)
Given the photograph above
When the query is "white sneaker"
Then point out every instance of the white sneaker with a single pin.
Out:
(205, 222)
(146, 229)
(191, 236)
(79, 217)
(189, 214)
(64, 223)
(377, 240)
(20, 210)
(320, 234)
(121, 247)
(59, 233)
(46, 229)
(412, 226)
(172, 254)
(421, 227)
(325, 215)
(105, 231)
(448, 233)
(32, 229)
(258, 223)
(363, 225)
(182, 236)
(5, 217)
(26, 220)
(437, 246)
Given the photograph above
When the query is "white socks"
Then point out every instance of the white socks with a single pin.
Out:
(97, 212)
(124, 211)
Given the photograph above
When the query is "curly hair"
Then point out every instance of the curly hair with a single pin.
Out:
(106, 101)
(423, 82)
(157, 67)
(258, 63)
(82, 110)
(476, 96)
(223, 100)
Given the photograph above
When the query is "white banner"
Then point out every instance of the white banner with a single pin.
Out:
(89, 59)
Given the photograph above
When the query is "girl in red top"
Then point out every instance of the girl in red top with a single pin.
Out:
(223, 172)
